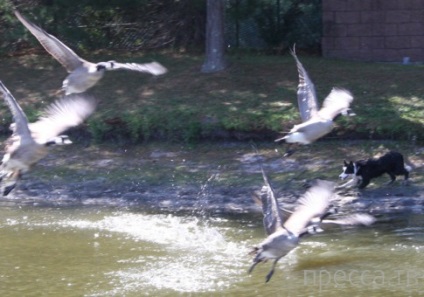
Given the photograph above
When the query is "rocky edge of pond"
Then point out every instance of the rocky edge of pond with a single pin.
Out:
(210, 198)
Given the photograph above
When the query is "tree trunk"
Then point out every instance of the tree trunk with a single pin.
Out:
(215, 41)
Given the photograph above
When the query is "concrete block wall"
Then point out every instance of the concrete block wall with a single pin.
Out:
(373, 30)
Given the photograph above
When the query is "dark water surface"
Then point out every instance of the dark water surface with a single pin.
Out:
(83, 251)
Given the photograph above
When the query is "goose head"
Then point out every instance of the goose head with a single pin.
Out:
(59, 140)
(348, 112)
(102, 66)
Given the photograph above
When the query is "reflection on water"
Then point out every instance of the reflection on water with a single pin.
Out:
(104, 252)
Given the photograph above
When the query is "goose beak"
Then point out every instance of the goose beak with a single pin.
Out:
(348, 112)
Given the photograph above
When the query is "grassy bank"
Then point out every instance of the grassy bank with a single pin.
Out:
(254, 98)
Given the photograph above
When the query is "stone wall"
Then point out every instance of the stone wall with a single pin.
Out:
(373, 30)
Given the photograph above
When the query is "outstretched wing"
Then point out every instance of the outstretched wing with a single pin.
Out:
(306, 94)
(61, 115)
(154, 68)
(20, 127)
(63, 54)
(338, 101)
(353, 219)
(314, 203)
(273, 217)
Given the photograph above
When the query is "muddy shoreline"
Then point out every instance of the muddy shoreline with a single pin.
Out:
(213, 178)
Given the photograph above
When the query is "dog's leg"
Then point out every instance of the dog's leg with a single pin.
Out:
(392, 178)
(406, 177)
(364, 183)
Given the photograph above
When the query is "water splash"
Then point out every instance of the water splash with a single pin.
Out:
(196, 257)
(203, 197)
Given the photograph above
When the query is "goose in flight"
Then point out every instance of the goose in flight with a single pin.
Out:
(30, 141)
(313, 210)
(82, 74)
(315, 122)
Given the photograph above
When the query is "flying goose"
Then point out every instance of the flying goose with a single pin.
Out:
(313, 209)
(315, 123)
(29, 141)
(83, 74)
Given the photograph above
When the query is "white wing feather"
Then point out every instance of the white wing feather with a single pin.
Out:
(61, 115)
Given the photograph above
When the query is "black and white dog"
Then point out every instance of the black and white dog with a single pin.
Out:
(363, 171)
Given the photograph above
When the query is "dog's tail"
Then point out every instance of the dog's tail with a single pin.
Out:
(407, 164)
(408, 167)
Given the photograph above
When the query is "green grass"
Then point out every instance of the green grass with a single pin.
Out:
(254, 98)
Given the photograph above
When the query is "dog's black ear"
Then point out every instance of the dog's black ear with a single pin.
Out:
(345, 163)
(351, 163)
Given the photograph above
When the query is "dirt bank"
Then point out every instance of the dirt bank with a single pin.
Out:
(208, 177)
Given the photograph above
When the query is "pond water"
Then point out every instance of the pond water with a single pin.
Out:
(87, 251)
